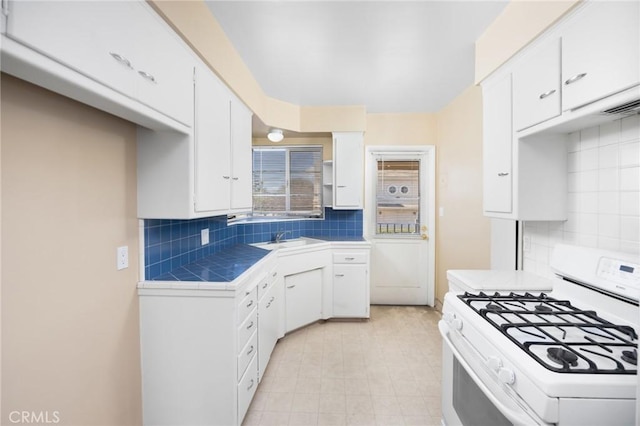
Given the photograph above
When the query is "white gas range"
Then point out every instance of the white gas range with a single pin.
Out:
(529, 350)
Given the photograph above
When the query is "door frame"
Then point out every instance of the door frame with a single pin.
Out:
(369, 216)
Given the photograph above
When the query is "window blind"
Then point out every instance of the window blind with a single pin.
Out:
(287, 181)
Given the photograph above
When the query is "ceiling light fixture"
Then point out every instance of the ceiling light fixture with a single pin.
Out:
(275, 135)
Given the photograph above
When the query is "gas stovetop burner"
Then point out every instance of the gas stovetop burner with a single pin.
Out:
(562, 356)
(630, 356)
(558, 335)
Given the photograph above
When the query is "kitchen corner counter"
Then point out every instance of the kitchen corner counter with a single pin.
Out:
(218, 271)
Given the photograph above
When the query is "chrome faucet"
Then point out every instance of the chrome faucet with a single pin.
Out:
(279, 235)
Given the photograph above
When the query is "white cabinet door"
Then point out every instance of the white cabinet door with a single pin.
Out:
(600, 52)
(348, 170)
(268, 325)
(94, 38)
(164, 68)
(122, 45)
(497, 146)
(536, 86)
(350, 291)
(212, 147)
(241, 165)
(303, 298)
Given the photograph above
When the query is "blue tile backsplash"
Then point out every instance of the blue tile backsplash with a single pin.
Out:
(171, 244)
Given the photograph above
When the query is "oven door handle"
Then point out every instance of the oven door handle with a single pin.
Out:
(513, 416)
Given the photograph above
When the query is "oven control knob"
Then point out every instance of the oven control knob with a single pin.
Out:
(448, 317)
(506, 376)
(457, 324)
(494, 363)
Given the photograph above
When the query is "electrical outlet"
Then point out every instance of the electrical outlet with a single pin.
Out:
(122, 257)
(204, 237)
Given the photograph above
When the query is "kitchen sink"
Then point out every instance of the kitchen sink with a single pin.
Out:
(295, 242)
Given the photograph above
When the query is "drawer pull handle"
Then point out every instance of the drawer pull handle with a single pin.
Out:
(339, 275)
(226, 177)
(274, 274)
(501, 174)
(250, 350)
(235, 178)
(249, 304)
(121, 59)
(349, 258)
(547, 94)
(342, 186)
(575, 78)
(265, 285)
(291, 286)
(250, 325)
(147, 76)
(251, 385)
(270, 301)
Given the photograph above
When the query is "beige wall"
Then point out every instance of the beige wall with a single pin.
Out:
(463, 240)
(518, 24)
(70, 340)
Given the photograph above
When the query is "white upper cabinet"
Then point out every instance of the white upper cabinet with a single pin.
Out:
(536, 86)
(122, 45)
(600, 52)
(212, 143)
(348, 170)
(205, 173)
(497, 145)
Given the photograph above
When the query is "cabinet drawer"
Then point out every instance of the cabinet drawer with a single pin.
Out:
(247, 328)
(266, 282)
(247, 353)
(247, 304)
(350, 257)
(247, 388)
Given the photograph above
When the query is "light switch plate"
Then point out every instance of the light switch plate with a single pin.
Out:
(122, 257)
(204, 237)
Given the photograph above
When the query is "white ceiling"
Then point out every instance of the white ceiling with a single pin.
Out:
(391, 56)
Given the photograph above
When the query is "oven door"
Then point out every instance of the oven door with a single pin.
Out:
(471, 397)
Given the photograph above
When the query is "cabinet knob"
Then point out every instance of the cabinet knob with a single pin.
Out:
(250, 350)
(226, 177)
(250, 325)
(575, 78)
(249, 304)
(547, 93)
(235, 178)
(501, 174)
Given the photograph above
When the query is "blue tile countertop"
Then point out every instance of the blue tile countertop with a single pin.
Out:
(223, 266)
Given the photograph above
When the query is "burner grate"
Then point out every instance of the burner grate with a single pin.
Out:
(558, 335)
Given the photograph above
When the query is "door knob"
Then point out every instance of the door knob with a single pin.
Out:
(424, 236)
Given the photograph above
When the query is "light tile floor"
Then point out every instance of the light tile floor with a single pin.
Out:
(383, 371)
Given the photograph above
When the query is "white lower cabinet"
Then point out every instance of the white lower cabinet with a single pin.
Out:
(205, 347)
(303, 298)
(199, 350)
(351, 283)
(269, 317)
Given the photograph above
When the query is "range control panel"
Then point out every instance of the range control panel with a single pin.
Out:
(622, 274)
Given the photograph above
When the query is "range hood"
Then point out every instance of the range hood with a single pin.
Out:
(619, 105)
(630, 108)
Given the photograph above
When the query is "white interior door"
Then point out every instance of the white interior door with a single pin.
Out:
(400, 223)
